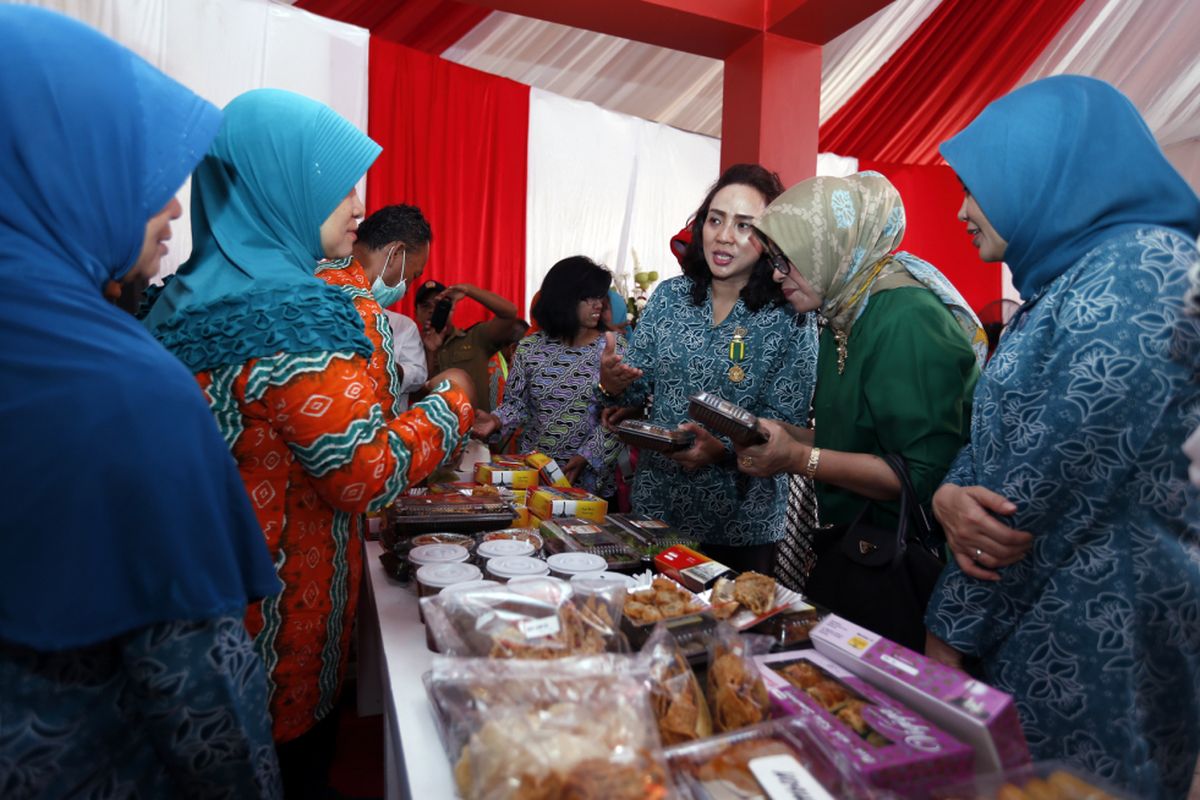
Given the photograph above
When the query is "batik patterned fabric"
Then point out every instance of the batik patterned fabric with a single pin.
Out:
(551, 391)
(314, 453)
(347, 274)
(1078, 421)
(136, 717)
(683, 353)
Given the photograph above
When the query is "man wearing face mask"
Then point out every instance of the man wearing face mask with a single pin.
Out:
(389, 253)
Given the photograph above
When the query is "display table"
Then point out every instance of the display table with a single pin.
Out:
(392, 657)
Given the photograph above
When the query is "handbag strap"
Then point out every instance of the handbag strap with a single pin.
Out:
(910, 505)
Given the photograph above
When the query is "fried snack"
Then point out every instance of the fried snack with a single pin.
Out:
(802, 674)
(582, 630)
(1069, 786)
(602, 780)
(732, 765)
(737, 694)
(828, 693)
(1010, 792)
(663, 600)
(755, 591)
(680, 709)
(724, 604)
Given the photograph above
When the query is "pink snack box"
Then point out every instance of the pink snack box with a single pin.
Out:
(972, 711)
(890, 745)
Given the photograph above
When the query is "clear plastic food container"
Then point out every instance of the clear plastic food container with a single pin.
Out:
(508, 567)
(568, 565)
(504, 548)
(433, 578)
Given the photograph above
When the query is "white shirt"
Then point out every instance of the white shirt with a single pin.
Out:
(409, 353)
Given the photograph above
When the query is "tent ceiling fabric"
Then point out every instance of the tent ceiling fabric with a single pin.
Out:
(1144, 47)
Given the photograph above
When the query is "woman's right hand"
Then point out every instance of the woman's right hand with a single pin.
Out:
(615, 376)
(777, 454)
(981, 544)
(613, 416)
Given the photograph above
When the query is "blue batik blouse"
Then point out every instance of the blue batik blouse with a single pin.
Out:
(682, 353)
(1078, 420)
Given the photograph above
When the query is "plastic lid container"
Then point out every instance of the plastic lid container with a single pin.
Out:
(516, 567)
(439, 576)
(437, 554)
(568, 565)
(433, 578)
(423, 539)
(504, 548)
(468, 585)
(582, 580)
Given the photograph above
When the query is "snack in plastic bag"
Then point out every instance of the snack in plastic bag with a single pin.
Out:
(737, 696)
(781, 758)
(579, 728)
(531, 618)
(675, 696)
(665, 599)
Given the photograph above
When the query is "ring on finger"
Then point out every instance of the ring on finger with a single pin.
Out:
(747, 461)
(978, 555)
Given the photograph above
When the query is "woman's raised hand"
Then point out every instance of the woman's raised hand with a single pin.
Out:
(615, 375)
(981, 544)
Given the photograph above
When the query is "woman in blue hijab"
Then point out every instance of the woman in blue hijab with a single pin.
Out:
(281, 356)
(1076, 536)
(130, 548)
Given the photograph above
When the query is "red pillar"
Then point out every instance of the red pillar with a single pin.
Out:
(771, 110)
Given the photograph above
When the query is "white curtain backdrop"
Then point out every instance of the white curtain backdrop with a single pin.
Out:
(221, 48)
(605, 185)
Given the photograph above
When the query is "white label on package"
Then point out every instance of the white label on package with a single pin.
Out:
(784, 778)
(907, 669)
(847, 636)
(537, 628)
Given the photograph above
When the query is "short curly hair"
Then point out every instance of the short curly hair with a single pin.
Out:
(569, 282)
(398, 223)
(761, 290)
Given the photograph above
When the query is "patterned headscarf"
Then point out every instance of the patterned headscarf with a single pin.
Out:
(841, 235)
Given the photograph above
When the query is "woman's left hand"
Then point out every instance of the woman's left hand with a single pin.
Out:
(574, 468)
(776, 455)
(941, 652)
(707, 449)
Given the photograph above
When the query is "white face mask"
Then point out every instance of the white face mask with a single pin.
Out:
(390, 295)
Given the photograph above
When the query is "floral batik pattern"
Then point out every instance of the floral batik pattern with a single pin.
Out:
(176, 709)
(682, 353)
(315, 452)
(1078, 420)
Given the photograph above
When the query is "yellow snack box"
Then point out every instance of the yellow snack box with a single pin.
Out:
(525, 519)
(550, 472)
(506, 472)
(554, 501)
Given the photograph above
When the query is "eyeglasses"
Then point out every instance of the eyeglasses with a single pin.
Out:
(775, 256)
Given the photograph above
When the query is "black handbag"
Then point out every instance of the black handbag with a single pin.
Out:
(880, 578)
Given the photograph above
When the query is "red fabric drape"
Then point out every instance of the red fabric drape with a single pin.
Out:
(932, 196)
(430, 26)
(966, 54)
(455, 143)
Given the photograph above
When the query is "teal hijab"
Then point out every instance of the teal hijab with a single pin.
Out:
(279, 166)
(1061, 165)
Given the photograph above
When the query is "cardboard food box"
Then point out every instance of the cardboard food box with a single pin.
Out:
(892, 746)
(525, 519)
(549, 472)
(694, 570)
(554, 501)
(506, 472)
(981, 716)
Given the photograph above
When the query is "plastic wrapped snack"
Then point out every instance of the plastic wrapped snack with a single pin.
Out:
(675, 695)
(579, 728)
(531, 618)
(781, 758)
(737, 696)
(1044, 780)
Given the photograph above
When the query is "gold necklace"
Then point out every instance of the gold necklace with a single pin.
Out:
(841, 337)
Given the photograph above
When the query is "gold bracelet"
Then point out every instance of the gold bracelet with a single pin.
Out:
(814, 458)
(603, 391)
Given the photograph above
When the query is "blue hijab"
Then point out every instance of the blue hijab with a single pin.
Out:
(122, 505)
(1061, 165)
(279, 166)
